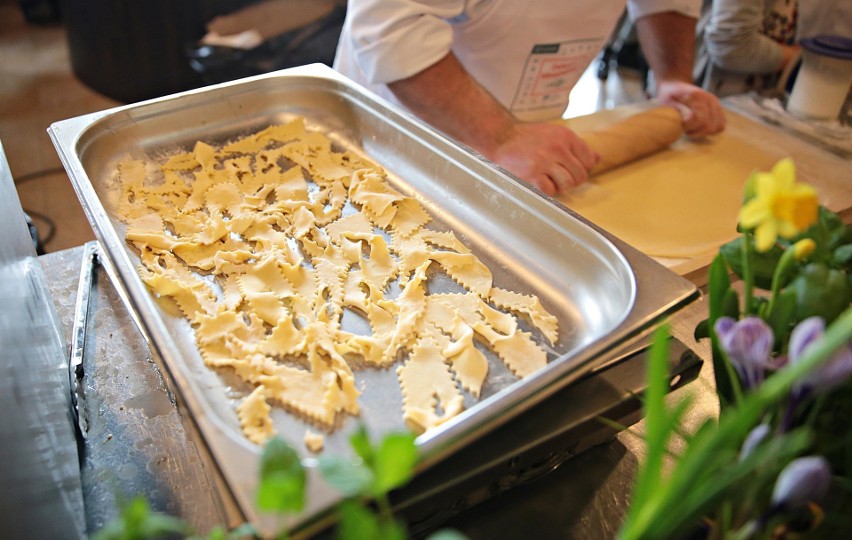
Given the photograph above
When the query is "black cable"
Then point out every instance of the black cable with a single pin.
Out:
(51, 227)
(38, 174)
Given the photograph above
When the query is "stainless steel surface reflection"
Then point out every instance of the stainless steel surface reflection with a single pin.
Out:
(40, 492)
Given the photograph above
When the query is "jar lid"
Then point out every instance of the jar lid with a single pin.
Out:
(833, 46)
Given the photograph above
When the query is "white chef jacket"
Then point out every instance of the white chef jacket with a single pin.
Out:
(528, 54)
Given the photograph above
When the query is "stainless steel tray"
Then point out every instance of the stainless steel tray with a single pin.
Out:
(604, 293)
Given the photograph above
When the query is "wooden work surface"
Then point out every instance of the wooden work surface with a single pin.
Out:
(697, 185)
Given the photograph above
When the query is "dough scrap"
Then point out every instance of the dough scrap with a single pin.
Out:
(255, 418)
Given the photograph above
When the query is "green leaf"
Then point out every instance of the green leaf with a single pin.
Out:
(842, 257)
(763, 264)
(838, 232)
(138, 522)
(719, 285)
(649, 477)
(821, 291)
(394, 462)
(360, 442)
(282, 479)
(393, 529)
(447, 534)
(218, 533)
(246, 530)
(730, 304)
(750, 188)
(348, 478)
(715, 479)
(781, 317)
(357, 522)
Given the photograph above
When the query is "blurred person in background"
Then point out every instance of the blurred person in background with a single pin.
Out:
(752, 45)
(749, 44)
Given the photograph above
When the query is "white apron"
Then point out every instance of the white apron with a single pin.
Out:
(528, 54)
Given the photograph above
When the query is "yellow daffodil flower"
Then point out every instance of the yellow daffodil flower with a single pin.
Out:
(780, 205)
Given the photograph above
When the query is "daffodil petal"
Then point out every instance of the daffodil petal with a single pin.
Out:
(765, 185)
(765, 235)
(785, 173)
(754, 212)
(787, 229)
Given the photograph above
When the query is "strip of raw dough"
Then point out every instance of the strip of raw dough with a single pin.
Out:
(634, 137)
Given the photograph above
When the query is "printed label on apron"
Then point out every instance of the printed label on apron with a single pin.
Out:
(551, 70)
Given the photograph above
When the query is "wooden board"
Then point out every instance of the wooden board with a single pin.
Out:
(681, 204)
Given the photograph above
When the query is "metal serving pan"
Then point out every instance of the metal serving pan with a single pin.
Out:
(604, 293)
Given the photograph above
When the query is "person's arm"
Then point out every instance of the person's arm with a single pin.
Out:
(551, 157)
(735, 40)
(668, 42)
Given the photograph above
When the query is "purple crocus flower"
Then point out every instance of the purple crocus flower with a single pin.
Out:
(831, 373)
(803, 480)
(748, 344)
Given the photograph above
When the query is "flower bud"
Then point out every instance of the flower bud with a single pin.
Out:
(803, 248)
(753, 439)
(831, 373)
(803, 480)
(748, 344)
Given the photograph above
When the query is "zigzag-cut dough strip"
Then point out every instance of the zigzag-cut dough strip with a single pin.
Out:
(426, 383)
(529, 306)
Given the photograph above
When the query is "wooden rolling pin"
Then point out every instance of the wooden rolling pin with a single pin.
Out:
(634, 137)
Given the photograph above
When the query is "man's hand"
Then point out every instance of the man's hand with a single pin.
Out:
(550, 157)
(700, 110)
(668, 41)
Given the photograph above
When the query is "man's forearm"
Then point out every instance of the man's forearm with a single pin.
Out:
(448, 97)
(668, 42)
(548, 156)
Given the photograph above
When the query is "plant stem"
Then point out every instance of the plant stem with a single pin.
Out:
(385, 511)
(748, 273)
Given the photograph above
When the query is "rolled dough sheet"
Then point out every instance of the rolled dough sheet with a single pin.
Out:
(678, 203)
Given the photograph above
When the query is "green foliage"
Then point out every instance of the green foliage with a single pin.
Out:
(137, 522)
(349, 478)
(821, 291)
(796, 278)
(394, 462)
(381, 468)
(358, 522)
(282, 479)
(763, 264)
(282, 486)
(723, 303)
(709, 471)
(446, 534)
(373, 472)
(246, 530)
